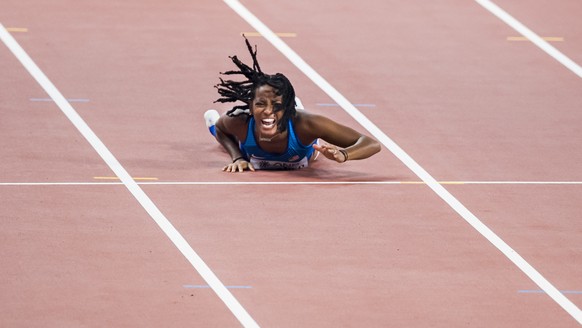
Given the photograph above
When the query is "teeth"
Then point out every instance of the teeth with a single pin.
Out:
(269, 121)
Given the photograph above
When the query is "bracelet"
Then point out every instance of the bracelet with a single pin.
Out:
(345, 153)
(236, 159)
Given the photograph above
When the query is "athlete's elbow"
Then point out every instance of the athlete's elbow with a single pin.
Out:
(374, 146)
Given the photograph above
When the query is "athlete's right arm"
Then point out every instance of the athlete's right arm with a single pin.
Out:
(229, 131)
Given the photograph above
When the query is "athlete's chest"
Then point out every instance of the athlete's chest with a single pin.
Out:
(276, 145)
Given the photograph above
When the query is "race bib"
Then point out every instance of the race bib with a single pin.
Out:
(265, 164)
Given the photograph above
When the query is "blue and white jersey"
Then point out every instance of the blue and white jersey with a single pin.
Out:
(295, 157)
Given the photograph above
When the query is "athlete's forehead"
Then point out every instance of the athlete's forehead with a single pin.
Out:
(267, 91)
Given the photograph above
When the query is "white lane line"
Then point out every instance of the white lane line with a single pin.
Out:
(252, 183)
(530, 35)
(175, 236)
(511, 254)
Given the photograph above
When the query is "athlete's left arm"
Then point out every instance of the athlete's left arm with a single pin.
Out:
(345, 142)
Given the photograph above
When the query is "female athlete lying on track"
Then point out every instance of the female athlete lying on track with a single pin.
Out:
(271, 130)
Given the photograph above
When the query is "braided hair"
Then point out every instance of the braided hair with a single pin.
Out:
(244, 91)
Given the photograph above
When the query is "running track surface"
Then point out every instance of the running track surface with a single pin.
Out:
(363, 244)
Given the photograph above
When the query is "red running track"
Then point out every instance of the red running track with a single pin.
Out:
(441, 79)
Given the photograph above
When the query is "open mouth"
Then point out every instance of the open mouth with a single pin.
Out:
(268, 123)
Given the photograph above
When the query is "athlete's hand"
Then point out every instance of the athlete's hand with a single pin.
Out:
(239, 166)
(331, 152)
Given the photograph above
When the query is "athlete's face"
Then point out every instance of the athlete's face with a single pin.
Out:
(267, 109)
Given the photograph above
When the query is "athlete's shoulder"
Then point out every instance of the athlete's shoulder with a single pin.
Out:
(308, 125)
(234, 125)
(308, 120)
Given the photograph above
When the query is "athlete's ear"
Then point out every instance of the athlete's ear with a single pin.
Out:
(250, 103)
